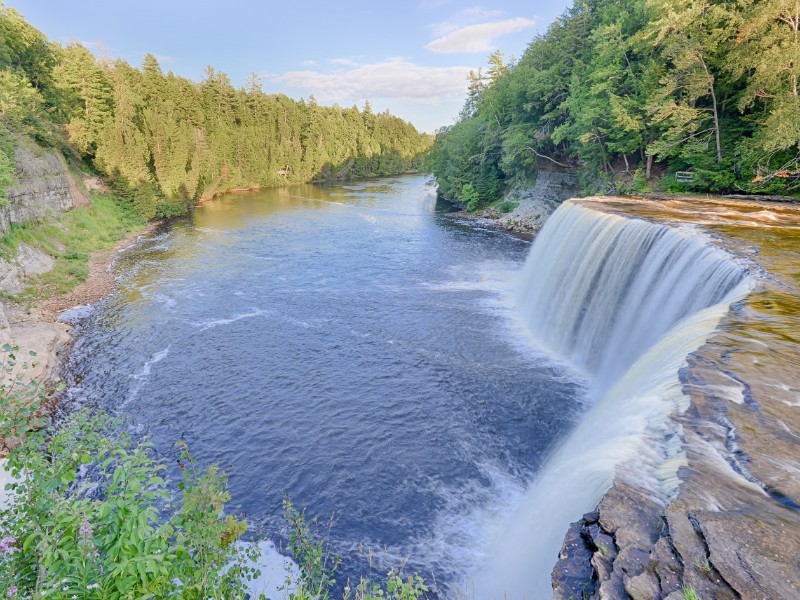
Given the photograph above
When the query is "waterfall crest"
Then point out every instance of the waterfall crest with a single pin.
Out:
(599, 290)
(624, 301)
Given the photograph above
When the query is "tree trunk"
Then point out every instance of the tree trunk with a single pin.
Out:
(716, 111)
(716, 124)
(649, 167)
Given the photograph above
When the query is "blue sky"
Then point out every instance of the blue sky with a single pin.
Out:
(410, 57)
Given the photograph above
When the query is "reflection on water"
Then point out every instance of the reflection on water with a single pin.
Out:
(347, 345)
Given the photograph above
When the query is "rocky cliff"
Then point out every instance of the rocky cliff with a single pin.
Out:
(732, 528)
(536, 203)
(43, 187)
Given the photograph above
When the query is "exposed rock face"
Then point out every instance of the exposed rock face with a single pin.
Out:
(552, 187)
(43, 186)
(732, 529)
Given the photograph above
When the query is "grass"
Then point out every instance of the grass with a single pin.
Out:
(71, 238)
(690, 594)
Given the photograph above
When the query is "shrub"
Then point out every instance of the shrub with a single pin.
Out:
(506, 206)
(639, 183)
(88, 514)
(317, 567)
(469, 197)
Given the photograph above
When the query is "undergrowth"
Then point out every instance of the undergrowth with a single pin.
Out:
(71, 238)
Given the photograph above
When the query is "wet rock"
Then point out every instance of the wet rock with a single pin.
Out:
(754, 555)
(667, 568)
(631, 516)
(573, 575)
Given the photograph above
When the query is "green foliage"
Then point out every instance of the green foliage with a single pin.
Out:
(21, 398)
(469, 197)
(165, 141)
(106, 536)
(71, 238)
(640, 182)
(318, 566)
(689, 593)
(7, 178)
(615, 88)
(506, 206)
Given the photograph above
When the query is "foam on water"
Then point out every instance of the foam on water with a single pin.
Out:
(625, 300)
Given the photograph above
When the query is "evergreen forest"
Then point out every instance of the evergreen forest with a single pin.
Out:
(632, 92)
(165, 142)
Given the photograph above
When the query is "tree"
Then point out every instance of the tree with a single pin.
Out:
(694, 38)
(766, 56)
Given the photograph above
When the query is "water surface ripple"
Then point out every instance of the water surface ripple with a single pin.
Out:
(347, 345)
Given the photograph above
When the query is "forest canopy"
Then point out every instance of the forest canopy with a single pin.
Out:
(165, 141)
(631, 92)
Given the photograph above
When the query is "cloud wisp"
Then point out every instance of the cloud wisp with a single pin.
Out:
(478, 37)
(395, 78)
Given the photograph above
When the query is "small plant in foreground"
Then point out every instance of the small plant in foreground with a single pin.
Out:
(87, 517)
(689, 593)
(318, 566)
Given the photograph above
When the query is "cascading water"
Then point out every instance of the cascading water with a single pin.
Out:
(624, 300)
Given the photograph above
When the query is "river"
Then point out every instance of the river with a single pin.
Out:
(348, 345)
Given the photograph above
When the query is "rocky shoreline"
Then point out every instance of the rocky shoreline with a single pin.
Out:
(44, 186)
(39, 329)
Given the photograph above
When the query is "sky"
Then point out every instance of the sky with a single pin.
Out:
(411, 57)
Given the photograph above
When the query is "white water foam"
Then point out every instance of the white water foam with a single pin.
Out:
(211, 323)
(143, 376)
(626, 300)
(274, 571)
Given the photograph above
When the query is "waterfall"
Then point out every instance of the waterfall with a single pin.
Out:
(624, 301)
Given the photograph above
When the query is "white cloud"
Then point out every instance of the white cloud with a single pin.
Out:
(308, 63)
(478, 37)
(398, 79)
(344, 62)
(467, 16)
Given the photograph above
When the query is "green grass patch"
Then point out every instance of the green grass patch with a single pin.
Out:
(71, 238)
(689, 593)
(506, 206)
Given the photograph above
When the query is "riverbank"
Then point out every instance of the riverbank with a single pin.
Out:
(31, 318)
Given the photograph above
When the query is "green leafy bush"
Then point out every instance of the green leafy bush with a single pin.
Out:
(506, 206)
(117, 533)
(7, 170)
(317, 568)
(639, 183)
(469, 197)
